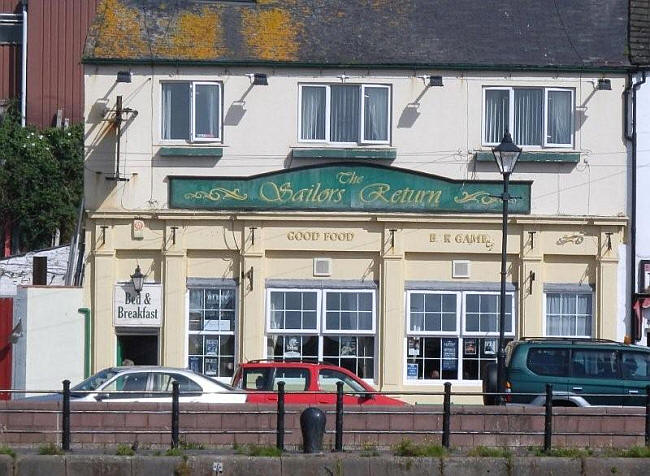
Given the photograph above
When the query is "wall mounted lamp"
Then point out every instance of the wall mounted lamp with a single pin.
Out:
(531, 280)
(123, 77)
(531, 238)
(609, 240)
(435, 81)
(258, 79)
(253, 228)
(392, 237)
(604, 84)
(137, 279)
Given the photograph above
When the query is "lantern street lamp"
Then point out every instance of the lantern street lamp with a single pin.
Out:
(137, 279)
(505, 155)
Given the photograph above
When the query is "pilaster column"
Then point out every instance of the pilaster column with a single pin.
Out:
(531, 284)
(252, 288)
(103, 273)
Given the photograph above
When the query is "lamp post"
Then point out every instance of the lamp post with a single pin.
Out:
(137, 279)
(505, 155)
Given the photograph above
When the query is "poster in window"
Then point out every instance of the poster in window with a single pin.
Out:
(195, 364)
(211, 365)
(211, 345)
(216, 325)
(449, 354)
(412, 371)
(414, 345)
(470, 346)
(348, 346)
(292, 347)
(490, 346)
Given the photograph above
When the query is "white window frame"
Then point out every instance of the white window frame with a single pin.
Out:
(320, 333)
(423, 333)
(362, 106)
(234, 332)
(460, 335)
(192, 131)
(511, 116)
(574, 293)
(573, 109)
(465, 332)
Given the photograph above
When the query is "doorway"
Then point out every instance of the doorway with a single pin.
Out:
(140, 349)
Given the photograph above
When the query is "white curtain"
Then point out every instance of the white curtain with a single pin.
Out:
(313, 113)
(528, 116)
(496, 114)
(568, 314)
(559, 117)
(376, 114)
(176, 111)
(345, 117)
(553, 314)
(206, 111)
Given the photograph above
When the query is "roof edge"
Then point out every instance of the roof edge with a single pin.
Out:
(433, 66)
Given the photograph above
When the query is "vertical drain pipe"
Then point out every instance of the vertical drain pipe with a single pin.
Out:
(87, 340)
(23, 73)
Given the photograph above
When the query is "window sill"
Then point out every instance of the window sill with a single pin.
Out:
(213, 152)
(386, 153)
(536, 156)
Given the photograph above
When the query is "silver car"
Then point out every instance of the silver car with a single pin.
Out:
(139, 383)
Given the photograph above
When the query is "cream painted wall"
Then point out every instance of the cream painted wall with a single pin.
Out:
(438, 136)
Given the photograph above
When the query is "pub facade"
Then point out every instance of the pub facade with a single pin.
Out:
(284, 204)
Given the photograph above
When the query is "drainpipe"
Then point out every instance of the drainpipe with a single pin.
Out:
(23, 73)
(87, 340)
(632, 87)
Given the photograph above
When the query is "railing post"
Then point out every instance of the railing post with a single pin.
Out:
(338, 445)
(446, 415)
(279, 441)
(548, 417)
(65, 424)
(175, 414)
(647, 415)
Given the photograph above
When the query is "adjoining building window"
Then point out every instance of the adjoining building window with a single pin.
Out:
(568, 314)
(191, 111)
(453, 335)
(211, 333)
(541, 117)
(334, 326)
(345, 113)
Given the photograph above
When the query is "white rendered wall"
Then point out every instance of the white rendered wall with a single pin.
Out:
(51, 348)
(643, 188)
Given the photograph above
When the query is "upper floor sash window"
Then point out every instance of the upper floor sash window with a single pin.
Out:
(191, 111)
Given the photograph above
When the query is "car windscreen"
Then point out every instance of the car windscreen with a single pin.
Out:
(93, 382)
(257, 378)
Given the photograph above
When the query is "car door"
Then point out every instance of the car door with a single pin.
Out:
(354, 392)
(635, 369)
(135, 383)
(543, 365)
(595, 376)
(296, 384)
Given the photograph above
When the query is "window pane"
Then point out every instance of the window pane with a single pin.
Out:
(313, 113)
(344, 111)
(196, 299)
(376, 114)
(550, 362)
(417, 302)
(528, 111)
(365, 321)
(176, 111)
(496, 114)
(559, 117)
(206, 111)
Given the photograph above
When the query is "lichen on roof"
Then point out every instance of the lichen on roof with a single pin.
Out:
(119, 32)
(271, 34)
(194, 36)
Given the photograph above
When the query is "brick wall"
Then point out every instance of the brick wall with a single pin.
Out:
(102, 424)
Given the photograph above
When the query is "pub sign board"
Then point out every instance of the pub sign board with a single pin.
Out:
(347, 187)
(131, 309)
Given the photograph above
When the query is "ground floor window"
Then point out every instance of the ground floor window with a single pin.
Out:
(568, 314)
(333, 326)
(211, 331)
(453, 335)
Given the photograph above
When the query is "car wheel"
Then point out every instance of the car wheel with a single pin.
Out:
(490, 384)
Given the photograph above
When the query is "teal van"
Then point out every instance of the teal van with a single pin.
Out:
(583, 372)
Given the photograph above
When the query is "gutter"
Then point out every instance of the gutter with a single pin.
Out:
(621, 69)
(632, 137)
(87, 340)
(23, 73)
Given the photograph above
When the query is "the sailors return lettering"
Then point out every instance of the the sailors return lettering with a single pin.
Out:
(346, 187)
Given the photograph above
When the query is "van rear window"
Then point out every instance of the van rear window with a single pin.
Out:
(548, 361)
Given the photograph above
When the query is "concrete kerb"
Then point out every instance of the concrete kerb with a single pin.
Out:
(6, 465)
(39, 465)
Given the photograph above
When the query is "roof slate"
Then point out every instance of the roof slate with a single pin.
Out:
(410, 33)
(640, 32)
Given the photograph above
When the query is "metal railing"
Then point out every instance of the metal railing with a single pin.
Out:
(447, 413)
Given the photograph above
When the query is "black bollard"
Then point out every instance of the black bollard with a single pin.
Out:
(312, 424)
